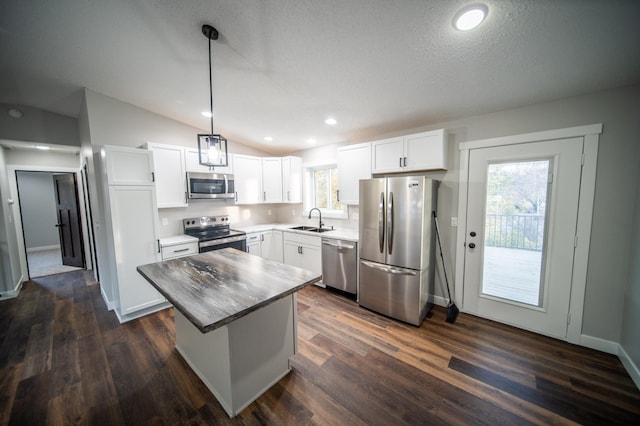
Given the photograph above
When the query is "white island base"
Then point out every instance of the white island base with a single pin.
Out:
(239, 361)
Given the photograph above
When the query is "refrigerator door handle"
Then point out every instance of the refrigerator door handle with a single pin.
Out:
(390, 223)
(388, 269)
(381, 221)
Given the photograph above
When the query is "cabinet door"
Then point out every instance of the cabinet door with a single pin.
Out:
(171, 181)
(277, 252)
(272, 180)
(387, 155)
(311, 259)
(353, 165)
(133, 216)
(292, 179)
(426, 151)
(248, 179)
(292, 254)
(128, 166)
(192, 163)
(265, 244)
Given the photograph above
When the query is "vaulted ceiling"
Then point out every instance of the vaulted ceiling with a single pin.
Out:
(280, 68)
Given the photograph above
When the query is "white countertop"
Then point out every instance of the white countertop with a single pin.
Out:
(337, 234)
(178, 239)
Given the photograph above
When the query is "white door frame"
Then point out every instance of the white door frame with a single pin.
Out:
(13, 188)
(585, 211)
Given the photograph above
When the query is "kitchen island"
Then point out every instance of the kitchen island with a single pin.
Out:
(235, 317)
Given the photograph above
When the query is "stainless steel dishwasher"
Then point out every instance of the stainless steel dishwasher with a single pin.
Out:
(340, 265)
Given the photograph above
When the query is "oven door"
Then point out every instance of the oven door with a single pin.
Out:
(210, 185)
(239, 243)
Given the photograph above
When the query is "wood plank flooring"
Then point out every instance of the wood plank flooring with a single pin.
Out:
(64, 360)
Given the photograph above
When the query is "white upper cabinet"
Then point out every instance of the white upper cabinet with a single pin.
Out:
(292, 179)
(416, 152)
(387, 155)
(353, 165)
(128, 166)
(426, 151)
(272, 180)
(248, 179)
(192, 161)
(170, 176)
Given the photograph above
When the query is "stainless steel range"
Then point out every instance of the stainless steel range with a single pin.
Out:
(214, 233)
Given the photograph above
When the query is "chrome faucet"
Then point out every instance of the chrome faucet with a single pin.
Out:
(320, 224)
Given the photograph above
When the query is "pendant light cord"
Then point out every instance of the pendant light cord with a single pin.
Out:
(210, 87)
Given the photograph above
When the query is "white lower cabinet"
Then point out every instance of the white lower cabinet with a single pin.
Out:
(303, 251)
(267, 244)
(254, 245)
(178, 250)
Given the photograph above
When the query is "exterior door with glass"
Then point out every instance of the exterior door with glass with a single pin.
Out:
(522, 212)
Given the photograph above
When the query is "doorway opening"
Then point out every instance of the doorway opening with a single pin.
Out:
(51, 225)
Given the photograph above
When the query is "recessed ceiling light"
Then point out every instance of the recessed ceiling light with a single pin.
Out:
(330, 121)
(207, 114)
(268, 138)
(43, 148)
(15, 113)
(470, 17)
(311, 141)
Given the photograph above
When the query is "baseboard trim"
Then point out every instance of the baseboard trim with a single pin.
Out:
(629, 365)
(599, 344)
(440, 301)
(42, 248)
(12, 294)
(106, 299)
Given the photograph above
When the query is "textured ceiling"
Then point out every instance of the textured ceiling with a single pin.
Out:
(282, 67)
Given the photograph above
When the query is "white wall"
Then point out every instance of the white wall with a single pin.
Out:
(630, 334)
(39, 126)
(11, 271)
(38, 208)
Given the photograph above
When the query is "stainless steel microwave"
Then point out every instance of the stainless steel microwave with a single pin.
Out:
(210, 185)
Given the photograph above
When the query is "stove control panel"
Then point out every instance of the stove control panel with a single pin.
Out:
(206, 222)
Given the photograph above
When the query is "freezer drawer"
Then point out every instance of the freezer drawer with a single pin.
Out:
(340, 264)
(396, 292)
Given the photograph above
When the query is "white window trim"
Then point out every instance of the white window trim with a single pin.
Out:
(308, 204)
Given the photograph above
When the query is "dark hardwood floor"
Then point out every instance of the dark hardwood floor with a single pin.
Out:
(64, 359)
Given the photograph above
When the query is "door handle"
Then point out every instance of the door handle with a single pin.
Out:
(387, 269)
(338, 195)
(58, 225)
(472, 245)
(405, 161)
(381, 222)
(390, 223)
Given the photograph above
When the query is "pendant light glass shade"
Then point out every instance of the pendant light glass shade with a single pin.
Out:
(212, 148)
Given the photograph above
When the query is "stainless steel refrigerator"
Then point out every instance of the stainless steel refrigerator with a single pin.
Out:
(397, 246)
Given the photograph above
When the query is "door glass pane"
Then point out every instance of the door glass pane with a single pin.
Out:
(515, 206)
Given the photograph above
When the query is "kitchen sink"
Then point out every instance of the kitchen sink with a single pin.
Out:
(305, 228)
(310, 229)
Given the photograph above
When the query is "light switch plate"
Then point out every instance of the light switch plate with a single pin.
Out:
(454, 221)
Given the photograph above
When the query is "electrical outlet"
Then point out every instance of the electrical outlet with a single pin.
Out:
(165, 221)
(454, 221)
(355, 216)
(269, 212)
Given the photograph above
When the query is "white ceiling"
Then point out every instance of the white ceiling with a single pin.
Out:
(281, 67)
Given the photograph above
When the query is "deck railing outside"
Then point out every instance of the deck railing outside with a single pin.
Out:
(518, 231)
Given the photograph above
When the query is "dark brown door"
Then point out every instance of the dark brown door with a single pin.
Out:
(68, 219)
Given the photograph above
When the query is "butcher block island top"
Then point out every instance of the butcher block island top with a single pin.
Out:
(215, 288)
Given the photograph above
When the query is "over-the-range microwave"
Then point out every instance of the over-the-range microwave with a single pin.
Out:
(210, 185)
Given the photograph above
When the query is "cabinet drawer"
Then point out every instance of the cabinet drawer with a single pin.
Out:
(310, 240)
(179, 250)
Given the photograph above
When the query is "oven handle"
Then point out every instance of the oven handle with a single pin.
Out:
(222, 241)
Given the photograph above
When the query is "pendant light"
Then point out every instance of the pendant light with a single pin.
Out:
(212, 148)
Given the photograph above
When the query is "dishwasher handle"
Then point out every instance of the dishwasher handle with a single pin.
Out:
(338, 245)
